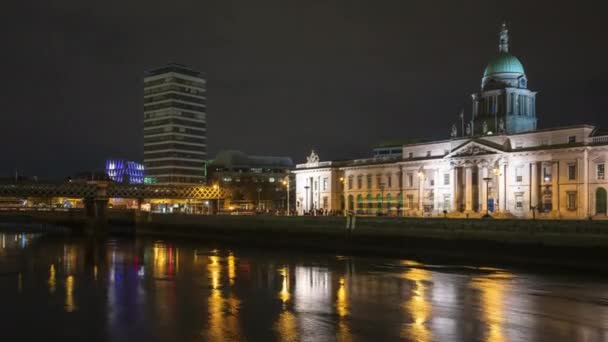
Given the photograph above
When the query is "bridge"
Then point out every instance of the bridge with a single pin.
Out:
(104, 189)
(96, 194)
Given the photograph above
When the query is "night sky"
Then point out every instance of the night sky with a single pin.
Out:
(283, 76)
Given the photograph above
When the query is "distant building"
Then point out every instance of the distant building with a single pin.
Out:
(125, 171)
(253, 182)
(175, 129)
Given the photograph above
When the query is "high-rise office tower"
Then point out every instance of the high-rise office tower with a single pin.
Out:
(175, 125)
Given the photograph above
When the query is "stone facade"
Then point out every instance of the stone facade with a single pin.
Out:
(501, 164)
(553, 173)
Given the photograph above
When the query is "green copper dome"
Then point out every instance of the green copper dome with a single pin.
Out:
(504, 63)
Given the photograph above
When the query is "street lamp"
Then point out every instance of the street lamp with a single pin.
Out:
(286, 183)
(259, 192)
(216, 187)
(306, 187)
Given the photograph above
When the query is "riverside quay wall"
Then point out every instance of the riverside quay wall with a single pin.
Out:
(579, 233)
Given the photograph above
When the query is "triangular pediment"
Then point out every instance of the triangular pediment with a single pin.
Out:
(473, 148)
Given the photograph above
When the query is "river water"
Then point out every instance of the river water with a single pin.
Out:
(64, 289)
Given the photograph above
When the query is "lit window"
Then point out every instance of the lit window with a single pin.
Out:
(547, 173)
(271, 180)
(571, 171)
(519, 201)
(599, 171)
(571, 200)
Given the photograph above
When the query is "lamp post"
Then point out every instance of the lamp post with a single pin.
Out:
(381, 186)
(487, 179)
(259, 200)
(498, 190)
(217, 188)
(286, 183)
(306, 192)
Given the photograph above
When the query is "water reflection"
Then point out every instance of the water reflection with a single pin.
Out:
(223, 310)
(52, 279)
(418, 306)
(492, 296)
(69, 294)
(224, 295)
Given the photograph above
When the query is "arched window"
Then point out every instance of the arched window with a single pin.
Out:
(359, 203)
(351, 204)
(370, 203)
(379, 202)
(389, 202)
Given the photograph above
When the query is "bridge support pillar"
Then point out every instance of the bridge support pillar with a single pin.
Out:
(96, 213)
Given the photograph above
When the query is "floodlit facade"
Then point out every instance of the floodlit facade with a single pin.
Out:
(125, 171)
(175, 125)
(498, 164)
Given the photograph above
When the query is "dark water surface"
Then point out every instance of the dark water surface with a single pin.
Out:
(59, 289)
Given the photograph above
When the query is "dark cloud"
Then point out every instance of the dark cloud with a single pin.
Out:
(284, 76)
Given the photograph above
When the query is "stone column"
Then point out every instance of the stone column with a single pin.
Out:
(421, 179)
(534, 187)
(483, 189)
(468, 202)
(454, 185)
(435, 188)
(555, 187)
(585, 192)
(502, 187)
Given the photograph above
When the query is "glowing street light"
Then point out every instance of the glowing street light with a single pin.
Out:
(286, 183)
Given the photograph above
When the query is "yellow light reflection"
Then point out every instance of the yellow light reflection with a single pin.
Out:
(418, 306)
(341, 300)
(287, 327)
(343, 333)
(52, 279)
(231, 269)
(69, 294)
(223, 312)
(214, 269)
(284, 294)
(492, 291)
(95, 272)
